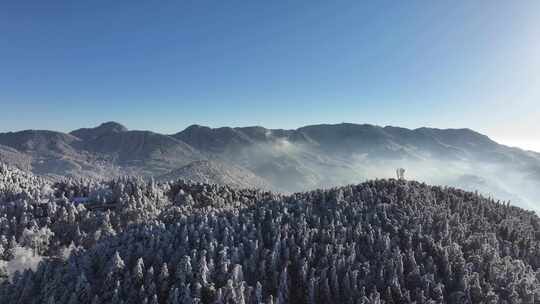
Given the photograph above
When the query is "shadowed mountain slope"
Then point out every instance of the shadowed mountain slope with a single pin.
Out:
(215, 172)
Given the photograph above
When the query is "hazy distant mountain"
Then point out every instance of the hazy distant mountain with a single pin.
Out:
(49, 152)
(40, 142)
(214, 140)
(138, 148)
(214, 172)
(288, 160)
(125, 146)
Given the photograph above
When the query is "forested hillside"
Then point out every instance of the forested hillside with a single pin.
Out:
(386, 241)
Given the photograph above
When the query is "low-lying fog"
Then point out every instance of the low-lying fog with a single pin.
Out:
(292, 167)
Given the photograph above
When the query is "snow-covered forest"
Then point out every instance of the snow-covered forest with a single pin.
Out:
(386, 241)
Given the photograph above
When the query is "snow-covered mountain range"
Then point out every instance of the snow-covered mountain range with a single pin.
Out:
(284, 160)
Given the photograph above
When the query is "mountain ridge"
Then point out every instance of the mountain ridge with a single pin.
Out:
(290, 160)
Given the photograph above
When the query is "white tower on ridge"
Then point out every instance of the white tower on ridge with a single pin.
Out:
(400, 172)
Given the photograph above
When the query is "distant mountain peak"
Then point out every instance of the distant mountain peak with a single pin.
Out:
(196, 126)
(103, 129)
(112, 126)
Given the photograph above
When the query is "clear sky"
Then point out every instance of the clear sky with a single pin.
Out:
(163, 65)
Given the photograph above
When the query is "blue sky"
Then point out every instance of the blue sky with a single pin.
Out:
(163, 65)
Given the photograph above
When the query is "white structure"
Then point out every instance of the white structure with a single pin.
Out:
(400, 172)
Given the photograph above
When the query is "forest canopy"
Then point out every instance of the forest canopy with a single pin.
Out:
(129, 240)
